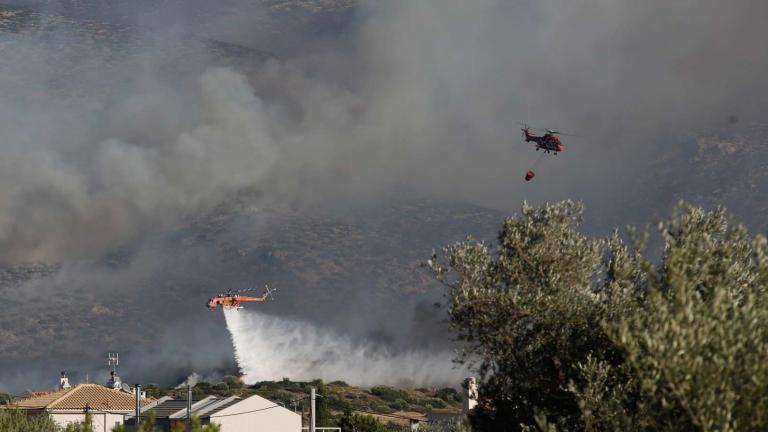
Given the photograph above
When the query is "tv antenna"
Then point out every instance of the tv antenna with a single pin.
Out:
(113, 359)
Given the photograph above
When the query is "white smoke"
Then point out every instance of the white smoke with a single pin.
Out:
(270, 348)
(120, 184)
(190, 381)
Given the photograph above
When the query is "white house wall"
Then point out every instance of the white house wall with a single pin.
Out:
(102, 422)
(276, 419)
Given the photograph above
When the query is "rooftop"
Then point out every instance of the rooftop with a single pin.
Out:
(94, 396)
(177, 408)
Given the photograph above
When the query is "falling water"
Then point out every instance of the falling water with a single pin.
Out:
(271, 348)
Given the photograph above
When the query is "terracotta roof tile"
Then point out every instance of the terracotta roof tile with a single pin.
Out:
(97, 397)
(41, 401)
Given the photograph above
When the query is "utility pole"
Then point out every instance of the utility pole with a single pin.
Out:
(87, 420)
(137, 389)
(189, 407)
(312, 411)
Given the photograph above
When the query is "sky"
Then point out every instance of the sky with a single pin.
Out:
(124, 121)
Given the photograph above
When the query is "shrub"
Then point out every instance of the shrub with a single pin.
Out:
(448, 394)
(389, 394)
(437, 403)
(337, 404)
(12, 420)
(350, 422)
(398, 405)
(221, 389)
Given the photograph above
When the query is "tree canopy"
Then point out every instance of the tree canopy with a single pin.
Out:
(576, 333)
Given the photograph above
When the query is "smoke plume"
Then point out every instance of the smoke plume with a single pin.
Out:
(112, 136)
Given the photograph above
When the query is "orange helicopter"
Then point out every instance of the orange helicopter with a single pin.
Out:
(232, 300)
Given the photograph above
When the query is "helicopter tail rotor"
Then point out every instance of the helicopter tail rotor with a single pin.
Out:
(524, 130)
(268, 292)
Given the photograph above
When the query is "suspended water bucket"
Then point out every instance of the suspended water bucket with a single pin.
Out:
(529, 175)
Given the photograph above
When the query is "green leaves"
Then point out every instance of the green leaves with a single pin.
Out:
(12, 420)
(575, 333)
(524, 306)
(351, 422)
(700, 338)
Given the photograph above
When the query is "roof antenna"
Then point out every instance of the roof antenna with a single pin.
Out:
(113, 359)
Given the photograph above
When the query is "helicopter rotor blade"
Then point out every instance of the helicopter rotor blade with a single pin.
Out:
(551, 131)
(243, 290)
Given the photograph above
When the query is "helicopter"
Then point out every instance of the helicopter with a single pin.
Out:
(232, 300)
(549, 142)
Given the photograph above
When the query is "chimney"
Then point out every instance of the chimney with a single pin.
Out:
(137, 393)
(64, 381)
(470, 394)
(114, 381)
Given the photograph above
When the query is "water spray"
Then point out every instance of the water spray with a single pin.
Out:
(269, 348)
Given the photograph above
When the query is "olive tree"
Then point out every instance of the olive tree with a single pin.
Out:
(573, 333)
(526, 313)
(695, 327)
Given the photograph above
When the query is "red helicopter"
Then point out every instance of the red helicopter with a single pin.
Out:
(232, 300)
(548, 142)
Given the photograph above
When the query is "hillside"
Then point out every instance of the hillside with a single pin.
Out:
(724, 166)
(368, 258)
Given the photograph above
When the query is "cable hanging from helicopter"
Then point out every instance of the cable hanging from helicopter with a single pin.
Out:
(549, 143)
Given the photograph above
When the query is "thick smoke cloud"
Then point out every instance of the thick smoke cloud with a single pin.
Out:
(120, 123)
(55, 208)
(426, 96)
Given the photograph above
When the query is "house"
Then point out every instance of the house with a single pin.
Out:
(68, 405)
(232, 414)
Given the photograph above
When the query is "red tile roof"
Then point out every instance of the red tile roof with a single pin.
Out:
(95, 396)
